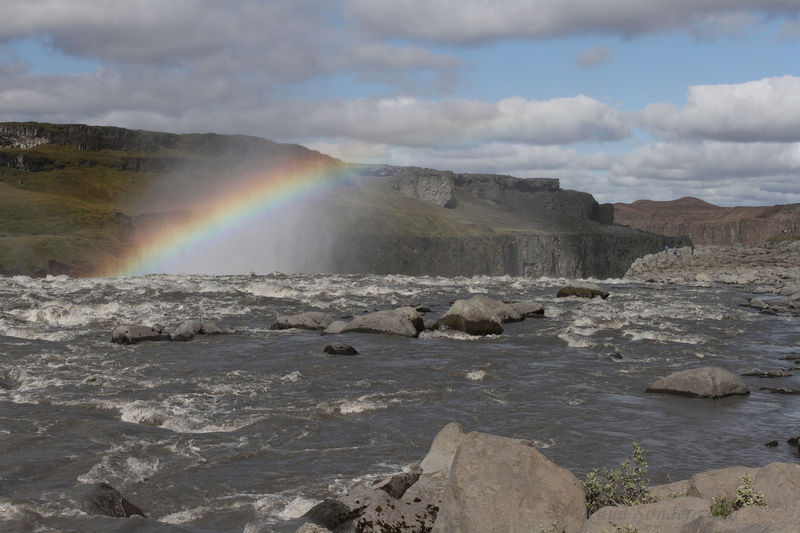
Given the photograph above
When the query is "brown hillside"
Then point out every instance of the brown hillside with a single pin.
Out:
(707, 223)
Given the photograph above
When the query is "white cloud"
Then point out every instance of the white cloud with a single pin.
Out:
(755, 111)
(478, 21)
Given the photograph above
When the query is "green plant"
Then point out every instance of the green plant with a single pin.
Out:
(625, 485)
(745, 495)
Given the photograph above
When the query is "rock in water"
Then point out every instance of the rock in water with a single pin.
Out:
(110, 501)
(403, 321)
(582, 290)
(138, 333)
(501, 484)
(188, 329)
(309, 320)
(340, 348)
(705, 382)
(481, 315)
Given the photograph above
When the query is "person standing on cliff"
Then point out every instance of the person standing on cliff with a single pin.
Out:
(666, 249)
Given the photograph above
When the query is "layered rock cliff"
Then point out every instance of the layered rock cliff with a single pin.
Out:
(71, 199)
(707, 223)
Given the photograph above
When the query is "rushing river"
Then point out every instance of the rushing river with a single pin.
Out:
(245, 432)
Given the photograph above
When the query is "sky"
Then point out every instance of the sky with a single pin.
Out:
(624, 99)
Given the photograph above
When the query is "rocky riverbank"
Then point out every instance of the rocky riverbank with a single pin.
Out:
(771, 270)
(476, 482)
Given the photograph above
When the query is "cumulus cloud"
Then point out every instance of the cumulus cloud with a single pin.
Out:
(478, 21)
(755, 111)
(721, 172)
(592, 57)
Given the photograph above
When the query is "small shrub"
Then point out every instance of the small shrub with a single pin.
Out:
(745, 495)
(625, 485)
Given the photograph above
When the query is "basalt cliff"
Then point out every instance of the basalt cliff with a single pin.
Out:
(74, 197)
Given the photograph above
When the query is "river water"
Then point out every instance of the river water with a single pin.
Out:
(245, 432)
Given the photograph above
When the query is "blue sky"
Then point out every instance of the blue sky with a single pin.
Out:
(619, 98)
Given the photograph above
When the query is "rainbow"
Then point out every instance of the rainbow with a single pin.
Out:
(248, 198)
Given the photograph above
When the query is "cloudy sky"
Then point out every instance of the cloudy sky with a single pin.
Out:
(625, 99)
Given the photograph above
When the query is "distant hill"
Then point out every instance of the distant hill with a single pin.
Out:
(707, 223)
(76, 199)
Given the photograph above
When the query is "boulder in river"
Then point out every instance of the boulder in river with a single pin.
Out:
(403, 321)
(582, 289)
(109, 501)
(132, 334)
(339, 348)
(189, 328)
(704, 382)
(308, 320)
(504, 484)
(482, 315)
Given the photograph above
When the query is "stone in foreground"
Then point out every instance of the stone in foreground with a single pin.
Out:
(138, 333)
(502, 484)
(668, 515)
(403, 321)
(582, 290)
(705, 382)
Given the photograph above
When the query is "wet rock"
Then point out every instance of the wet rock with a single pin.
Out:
(403, 321)
(308, 527)
(481, 315)
(582, 290)
(705, 382)
(339, 348)
(774, 373)
(794, 441)
(757, 303)
(109, 501)
(309, 320)
(138, 333)
(502, 484)
(771, 444)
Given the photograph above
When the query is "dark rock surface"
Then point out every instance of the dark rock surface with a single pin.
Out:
(188, 329)
(339, 348)
(705, 382)
(109, 501)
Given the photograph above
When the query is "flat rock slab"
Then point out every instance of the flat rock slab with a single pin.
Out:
(705, 382)
(665, 516)
(190, 328)
(582, 290)
(403, 321)
(312, 320)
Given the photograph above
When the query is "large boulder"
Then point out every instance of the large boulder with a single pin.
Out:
(481, 315)
(502, 484)
(705, 382)
(582, 289)
(403, 321)
(309, 320)
(132, 334)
